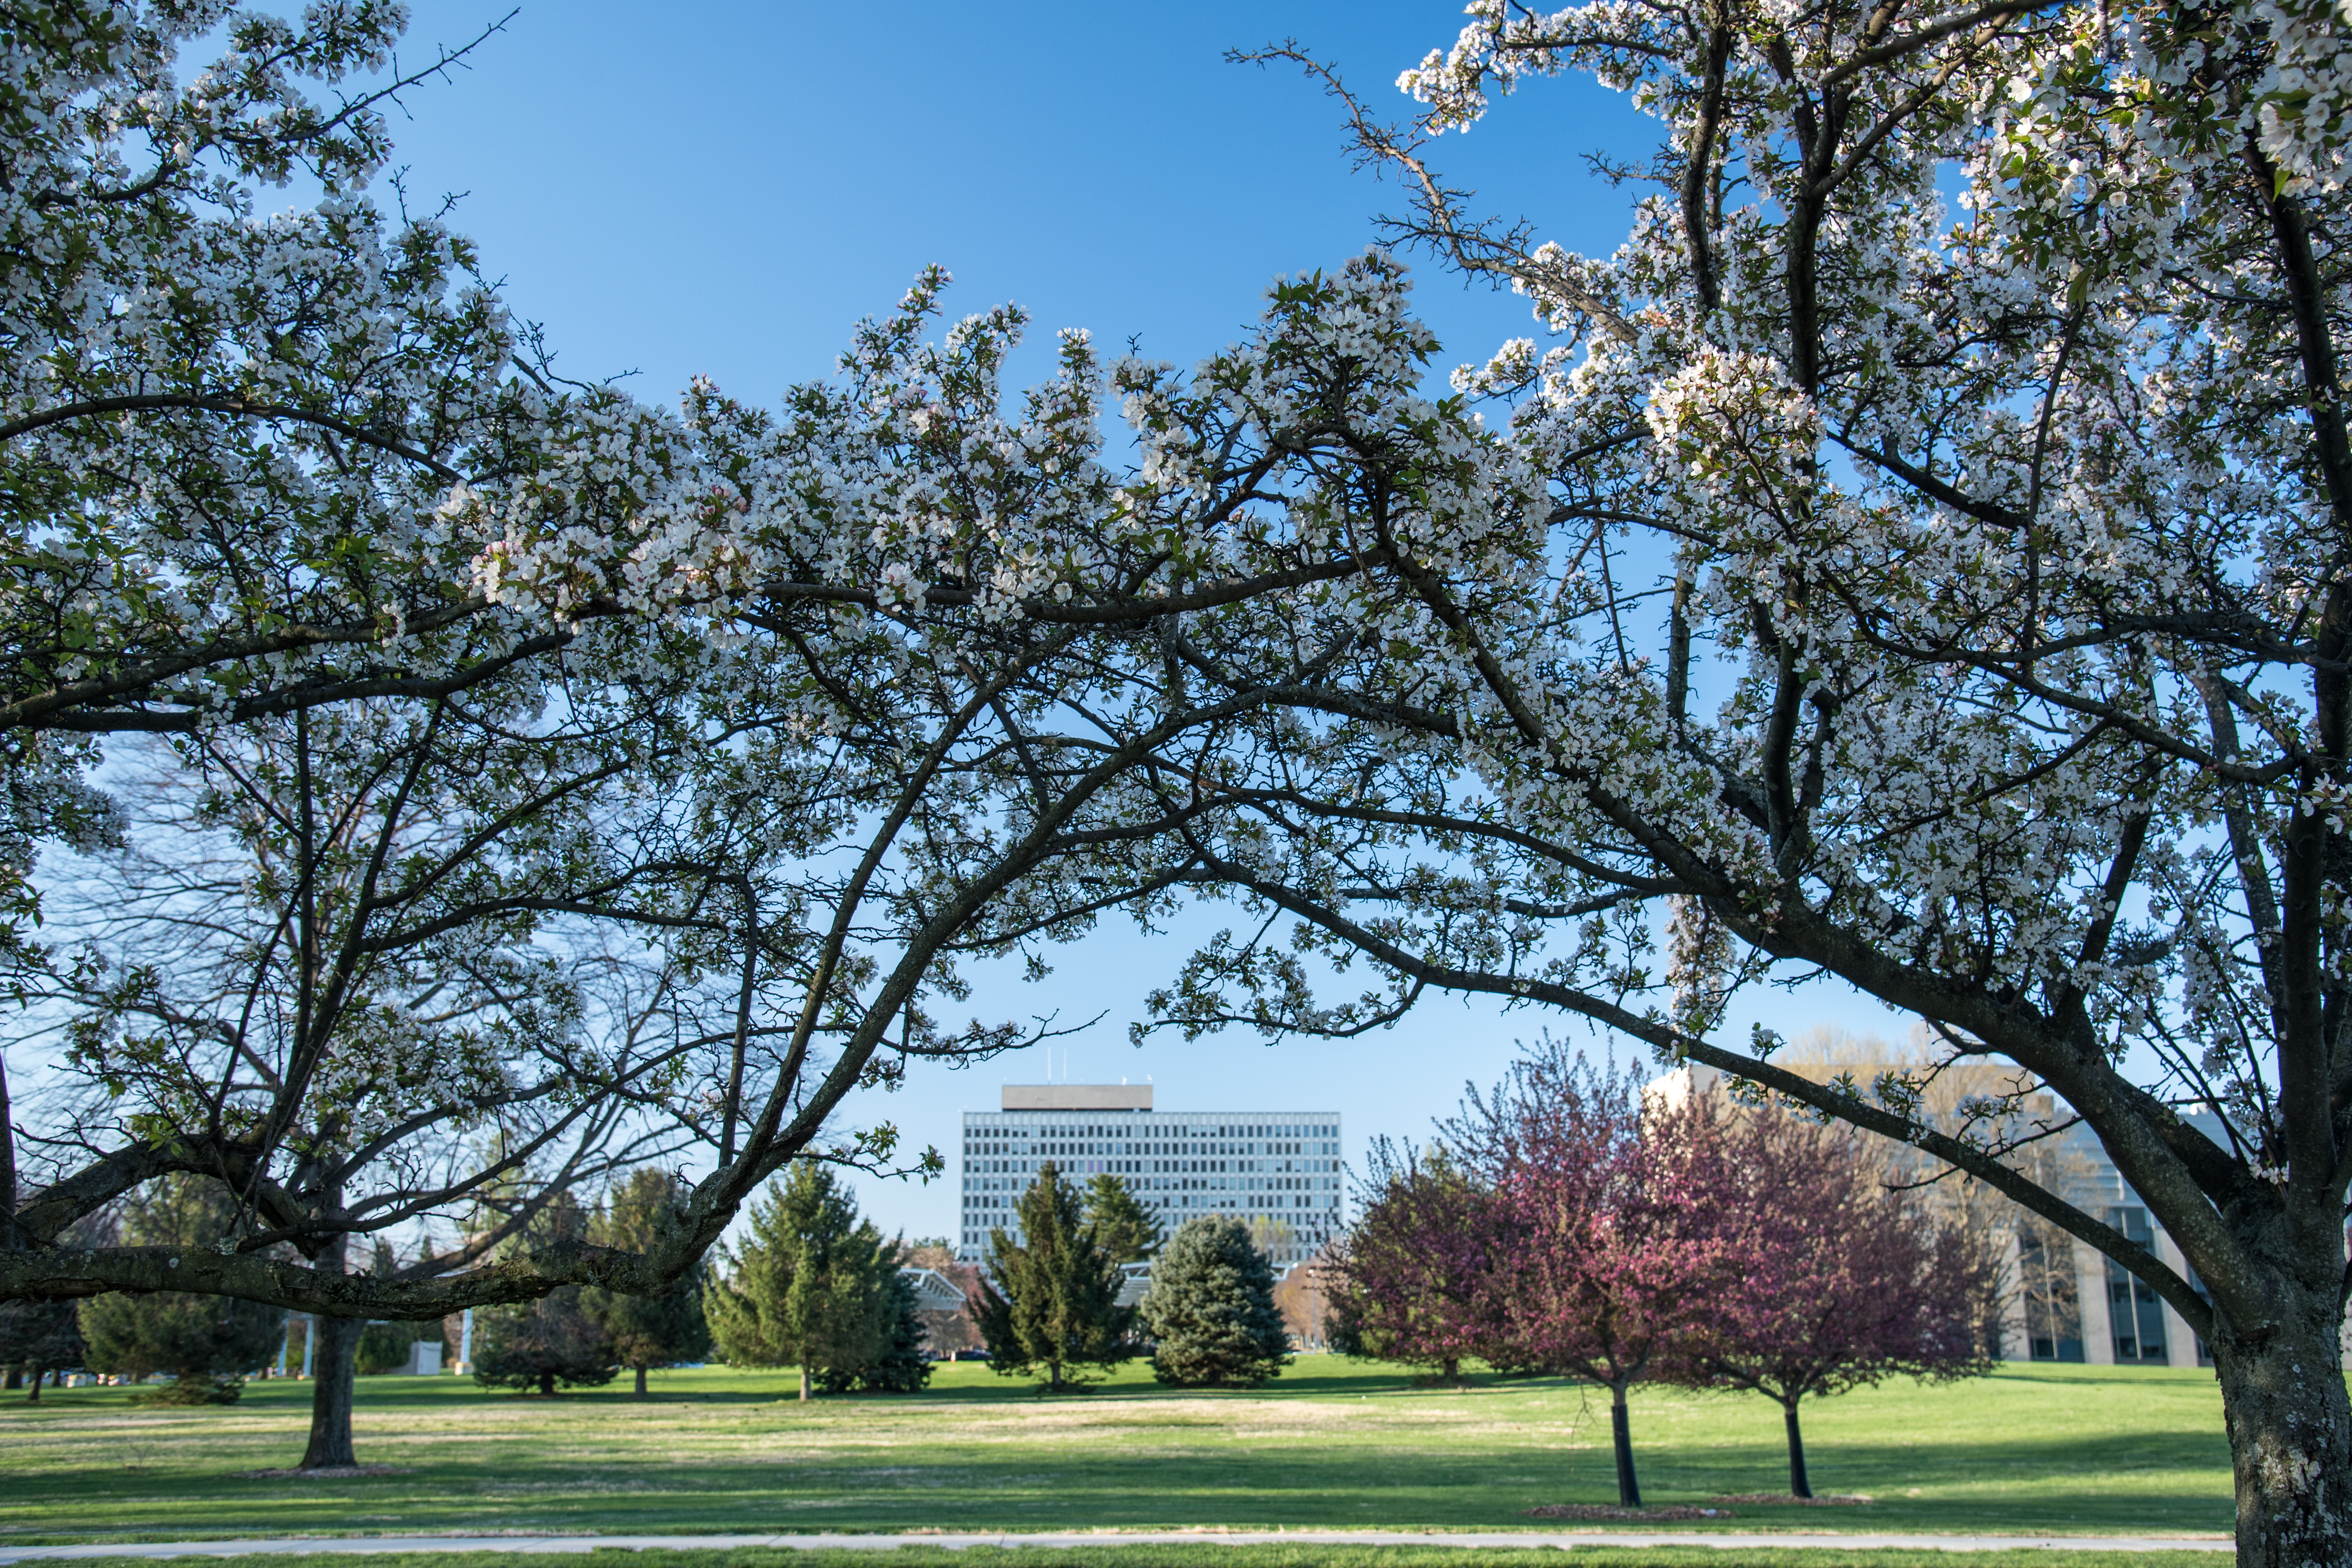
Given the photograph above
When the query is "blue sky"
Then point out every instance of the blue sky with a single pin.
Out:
(723, 189)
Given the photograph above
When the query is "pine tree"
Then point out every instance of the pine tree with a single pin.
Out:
(647, 1330)
(810, 1287)
(39, 1338)
(207, 1343)
(550, 1342)
(1122, 1226)
(1051, 1300)
(1210, 1309)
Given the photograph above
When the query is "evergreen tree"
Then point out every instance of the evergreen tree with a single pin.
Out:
(207, 1343)
(810, 1288)
(1051, 1300)
(647, 1330)
(901, 1367)
(553, 1341)
(1210, 1309)
(1122, 1226)
(540, 1344)
(38, 1338)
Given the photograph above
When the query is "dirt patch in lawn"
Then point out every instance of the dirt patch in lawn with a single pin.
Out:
(1606, 1511)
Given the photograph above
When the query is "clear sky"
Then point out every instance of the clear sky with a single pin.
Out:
(722, 189)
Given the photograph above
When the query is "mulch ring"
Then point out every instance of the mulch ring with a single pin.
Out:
(324, 1473)
(1637, 1515)
(1784, 1499)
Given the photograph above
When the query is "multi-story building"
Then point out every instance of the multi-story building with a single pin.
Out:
(1277, 1172)
(2062, 1299)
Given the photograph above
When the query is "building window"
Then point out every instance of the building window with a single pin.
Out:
(2134, 1311)
(2053, 1302)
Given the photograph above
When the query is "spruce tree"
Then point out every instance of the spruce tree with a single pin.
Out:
(809, 1287)
(1122, 1226)
(541, 1344)
(39, 1338)
(1210, 1309)
(207, 1343)
(550, 1342)
(1051, 1300)
(901, 1367)
(647, 1330)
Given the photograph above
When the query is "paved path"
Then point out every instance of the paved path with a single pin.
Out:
(576, 1543)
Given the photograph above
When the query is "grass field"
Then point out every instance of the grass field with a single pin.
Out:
(1333, 1443)
(1210, 1556)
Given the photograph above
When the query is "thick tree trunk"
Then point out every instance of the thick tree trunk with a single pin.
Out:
(330, 1395)
(641, 1381)
(34, 1397)
(2290, 1429)
(547, 1385)
(15, 1378)
(1621, 1434)
(804, 1380)
(1799, 1484)
(1452, 1370)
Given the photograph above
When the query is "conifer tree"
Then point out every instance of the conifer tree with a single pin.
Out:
(647, 1330)
(1210, 1309)
(1051, 1300)
(809, 1289)
(38, 1338)
(1122, 1226)
(539, 1344)
(554, 1339)
(207, 1343)
(901, 1367)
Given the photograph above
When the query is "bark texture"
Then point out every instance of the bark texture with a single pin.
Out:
(330, 1395)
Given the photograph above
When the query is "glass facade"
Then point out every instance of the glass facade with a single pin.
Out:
(2135, 1311)
(1277, 1172)
(2051, 1300)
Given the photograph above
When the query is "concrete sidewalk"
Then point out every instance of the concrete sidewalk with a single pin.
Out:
(575, 1543)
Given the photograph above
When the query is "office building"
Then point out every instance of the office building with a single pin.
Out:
(2063, 1300)
(1277, 1172)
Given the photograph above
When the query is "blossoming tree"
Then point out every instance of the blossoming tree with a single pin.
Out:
(1617, 1261)
(469, 664)
(1942, 585)
(1843, 1276)
(1413, 1279)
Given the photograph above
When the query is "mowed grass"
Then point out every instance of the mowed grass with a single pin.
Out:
(1333, 1443)
(1205, 1555)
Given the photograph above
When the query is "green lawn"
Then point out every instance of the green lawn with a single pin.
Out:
(1333, 1443)
(1206, 1556)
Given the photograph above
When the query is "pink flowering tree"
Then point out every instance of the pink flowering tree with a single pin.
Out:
(1840, 1279)
(1617, 1261)
(1414, 1281)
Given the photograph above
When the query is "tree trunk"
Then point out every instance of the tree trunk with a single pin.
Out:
(1799, 1484)
(35, 1381)
(1620, 1434)
(547, 1385)
(15, 1378)
(2290, 1425)
(804, 1380)
(1452, 1370)
(641, 1380)
(330, 1395)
